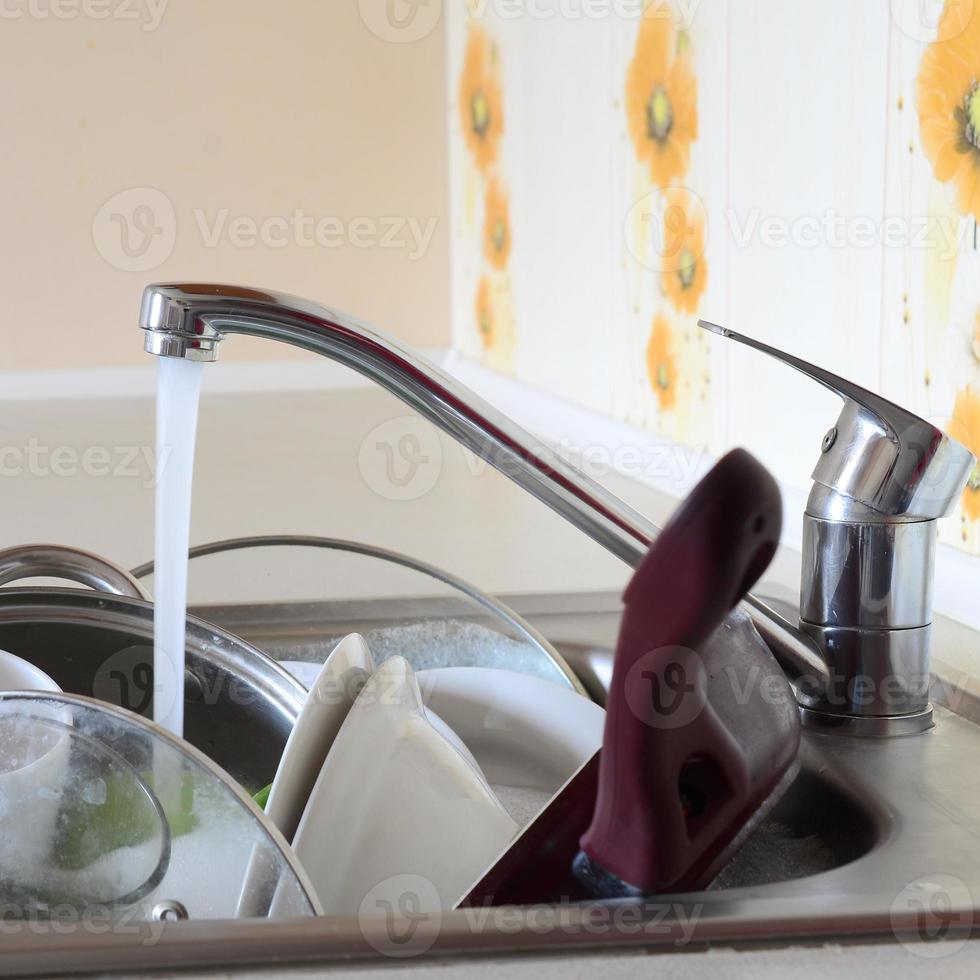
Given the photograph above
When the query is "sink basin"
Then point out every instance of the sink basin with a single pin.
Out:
(819, 825)
(863, 819)
(866, 829)
(852, 799)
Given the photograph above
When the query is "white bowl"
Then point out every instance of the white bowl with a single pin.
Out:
(17, 674)
(33, 767)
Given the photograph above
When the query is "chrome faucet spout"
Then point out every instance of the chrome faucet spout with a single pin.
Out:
(189, 320)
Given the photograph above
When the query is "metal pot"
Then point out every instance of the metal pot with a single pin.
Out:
(240, 706)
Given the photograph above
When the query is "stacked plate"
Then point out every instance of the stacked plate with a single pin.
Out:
(391, 772)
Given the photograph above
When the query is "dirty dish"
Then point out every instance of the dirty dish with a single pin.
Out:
(330, 696)
(395, 797)
(528, 735)
(16, 674)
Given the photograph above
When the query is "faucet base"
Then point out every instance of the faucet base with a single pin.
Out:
(872, 672)
(867, 726)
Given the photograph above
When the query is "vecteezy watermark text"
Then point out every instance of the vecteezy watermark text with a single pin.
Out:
(680, 12)
(136, 230)
(661, 233)
(312, 231)
(66, 918)
(405, 21)
(402, 459)
(835, 229)
(35, 458)
(401, 917)
(148, 14)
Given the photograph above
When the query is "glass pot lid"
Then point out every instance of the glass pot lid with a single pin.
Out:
(296, 596)
(104, 815)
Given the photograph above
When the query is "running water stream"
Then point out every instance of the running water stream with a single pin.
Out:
(178, 393)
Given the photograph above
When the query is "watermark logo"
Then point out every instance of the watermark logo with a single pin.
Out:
(940, 907)
(138, 681)
(392, 914)
(126, 678)
(136, 229)
(666, 688)
(400, 21)
(132, 679)
(920, 19)
(662, 233)
(401, 459)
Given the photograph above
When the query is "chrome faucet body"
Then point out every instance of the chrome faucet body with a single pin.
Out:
(867, 563)
(883, 479)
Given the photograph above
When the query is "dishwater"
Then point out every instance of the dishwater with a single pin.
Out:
(178, 394)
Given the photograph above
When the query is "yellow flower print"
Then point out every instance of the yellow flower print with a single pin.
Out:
(661, 365)
(684, 269)
(966, 428)
(661, 98)
(484, 313)
(496, 225)
(481, 100)
(948, 90)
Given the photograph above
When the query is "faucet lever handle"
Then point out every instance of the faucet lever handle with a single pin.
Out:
(879, 454)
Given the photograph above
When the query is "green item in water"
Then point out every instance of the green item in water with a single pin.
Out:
(114, 812)
(262, 796)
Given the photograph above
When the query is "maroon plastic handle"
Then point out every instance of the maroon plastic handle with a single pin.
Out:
(650, 827)
(625, 807)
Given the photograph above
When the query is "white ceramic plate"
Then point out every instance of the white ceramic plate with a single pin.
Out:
(329, 699)
(527, 734)
(396, 798)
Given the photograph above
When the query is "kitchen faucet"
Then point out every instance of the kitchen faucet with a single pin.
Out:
(883, 479)
(190, 320)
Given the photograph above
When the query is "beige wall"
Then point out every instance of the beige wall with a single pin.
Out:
(255, 107)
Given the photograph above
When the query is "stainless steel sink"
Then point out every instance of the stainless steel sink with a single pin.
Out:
(819, 825)
(875, 838)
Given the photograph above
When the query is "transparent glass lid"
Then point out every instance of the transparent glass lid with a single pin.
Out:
(103, 815)
(296, 596)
